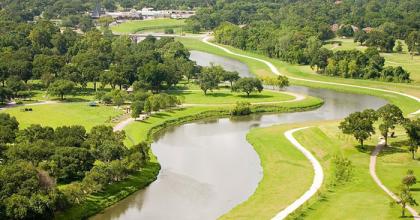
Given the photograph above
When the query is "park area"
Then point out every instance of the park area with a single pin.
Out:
(131, 27)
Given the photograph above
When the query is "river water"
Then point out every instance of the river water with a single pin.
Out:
(208, 167)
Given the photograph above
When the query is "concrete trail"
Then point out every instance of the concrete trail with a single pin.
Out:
(317, 181)
(372, 170)
(121, 125)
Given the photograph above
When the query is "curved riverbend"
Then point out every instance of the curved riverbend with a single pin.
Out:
(208, 167)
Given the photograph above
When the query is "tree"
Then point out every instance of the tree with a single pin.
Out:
(61, 87)
(137, 108)
(208, 79)
(346, 31)
(406, 198)
(231, 77)
(15, 84)
(410, 179)
(399, 47)
(248, 85)
(72, 163)
(360, 125)
(282, 81)
(390, 116)
(5, 94)
(413, 42)
(105, 21)
(34, 133)
(70, 136)
(412, 128)
(9, 126)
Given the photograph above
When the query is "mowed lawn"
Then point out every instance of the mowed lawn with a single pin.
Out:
(130, 27)
(228, 97)
(60, 114)
(361, 198)
(288, 174)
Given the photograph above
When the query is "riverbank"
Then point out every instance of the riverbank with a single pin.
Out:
(139, 131)
(407, 104)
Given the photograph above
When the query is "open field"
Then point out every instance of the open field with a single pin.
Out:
(406, 104)
(228, 97)
(404, 59)
(60, 114)
(130, 27)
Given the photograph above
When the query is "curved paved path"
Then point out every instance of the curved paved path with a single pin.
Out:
(372, 170)
(299, 202)
(317, 181)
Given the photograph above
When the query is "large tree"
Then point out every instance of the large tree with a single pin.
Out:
(412, 128)
(248, 85)
(61, 87)
(390, 116)
(360, 125)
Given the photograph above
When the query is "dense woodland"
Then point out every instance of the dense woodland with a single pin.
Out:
(296, 31)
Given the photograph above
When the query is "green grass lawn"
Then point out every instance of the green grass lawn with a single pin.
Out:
(287, 175)
(60, 114)
(130, 27)
(404, 59)
(228, 97)
(408, 105)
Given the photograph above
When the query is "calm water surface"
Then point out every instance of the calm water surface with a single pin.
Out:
(208, 167)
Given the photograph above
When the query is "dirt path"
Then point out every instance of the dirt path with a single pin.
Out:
(317, 181)
(372, 170)
(121, 125)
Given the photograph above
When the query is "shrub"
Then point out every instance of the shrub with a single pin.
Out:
(241, 108)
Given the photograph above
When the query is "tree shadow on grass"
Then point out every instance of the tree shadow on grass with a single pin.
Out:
(160, 115)
(218, 94)
(256, 96)
(367, 149)
(395, 147)
(415, 189)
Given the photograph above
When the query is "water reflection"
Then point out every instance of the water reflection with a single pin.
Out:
(206, 59)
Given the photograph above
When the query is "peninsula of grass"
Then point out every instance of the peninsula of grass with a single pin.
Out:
(287, 175)
(60, 114)
(131, 27)
(408, 105)
(229, 97)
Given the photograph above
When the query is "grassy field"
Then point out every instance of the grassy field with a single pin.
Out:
(130, 27)
(404, 59)
(228, 97)
(360, 198)
(258, 68)
(60, 114)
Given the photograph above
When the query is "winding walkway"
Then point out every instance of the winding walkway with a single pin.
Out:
(372, 170)
(317, 181)
(284, 213)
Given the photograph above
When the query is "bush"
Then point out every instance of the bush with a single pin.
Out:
(241, 108)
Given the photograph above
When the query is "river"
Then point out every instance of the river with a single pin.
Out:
(208, 167)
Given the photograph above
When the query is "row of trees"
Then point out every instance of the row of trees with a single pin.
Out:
(357, 64)
(361, 125)
(35, 159)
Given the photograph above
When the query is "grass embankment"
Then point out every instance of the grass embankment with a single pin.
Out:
(228, 97)
(131, 27)
(404, 59)
(408, 105)
(60, 114)
(287, 175)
